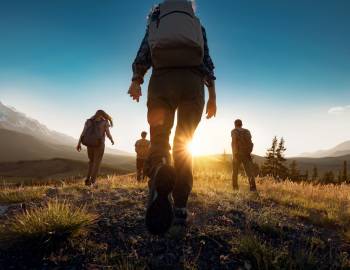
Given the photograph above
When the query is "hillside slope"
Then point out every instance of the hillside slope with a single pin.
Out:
(17, 146)
(289, 226)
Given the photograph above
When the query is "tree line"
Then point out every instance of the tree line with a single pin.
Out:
(275, 165)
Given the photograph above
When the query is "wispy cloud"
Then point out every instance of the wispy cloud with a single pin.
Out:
(339, 110)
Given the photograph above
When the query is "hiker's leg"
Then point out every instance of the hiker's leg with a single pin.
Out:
(161, 110)
(138, 169)
(90, 151)
(235, 167)
(98, 155)
(189, 114)
(249, 170)
(161, 103)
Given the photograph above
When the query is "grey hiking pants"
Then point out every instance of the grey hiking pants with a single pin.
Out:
(173, 91)
(95, 155)
(248, 168)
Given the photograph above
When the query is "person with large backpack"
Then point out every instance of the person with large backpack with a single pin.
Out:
(93, 137)
(242, 147)
(141, 148)
(175, 46)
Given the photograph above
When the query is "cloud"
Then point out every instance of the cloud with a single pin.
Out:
(339, 110)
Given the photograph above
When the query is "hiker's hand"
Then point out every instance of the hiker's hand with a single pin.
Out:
(135, 91)
(211, 108)
(79, 147)
(112, 142)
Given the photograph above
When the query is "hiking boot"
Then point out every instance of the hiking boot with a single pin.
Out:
(180, 216)
(160, 213)
(88, 182)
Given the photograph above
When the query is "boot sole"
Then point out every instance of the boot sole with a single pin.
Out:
(160, 213)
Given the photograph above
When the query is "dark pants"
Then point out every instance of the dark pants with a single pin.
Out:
(171, 91)
(248, 167)
(95, 155)
(140, 162)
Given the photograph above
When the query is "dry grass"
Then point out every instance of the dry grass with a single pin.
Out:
(22, 194)
(46, 225)
(328, 203)
(268, 231)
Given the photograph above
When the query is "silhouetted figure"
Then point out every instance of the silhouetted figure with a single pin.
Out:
(175, 46)
(242, 147)
(93, 137)
(141, 148)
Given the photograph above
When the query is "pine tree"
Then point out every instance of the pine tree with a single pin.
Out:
(314, 176)
(293, 171)
(282, 170)
(269, 167)
(328, 178)
(345, 171)
(306, 175)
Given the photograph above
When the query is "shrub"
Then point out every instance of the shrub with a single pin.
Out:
(45, 226)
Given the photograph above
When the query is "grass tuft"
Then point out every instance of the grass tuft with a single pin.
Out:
(45, 226)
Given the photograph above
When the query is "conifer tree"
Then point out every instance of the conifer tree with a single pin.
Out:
(314, 176)
(345, 171)
(293, 171)
(269, 167)
(282, 170)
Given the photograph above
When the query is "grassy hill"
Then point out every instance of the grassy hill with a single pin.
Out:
(288, 226)
(38, 171)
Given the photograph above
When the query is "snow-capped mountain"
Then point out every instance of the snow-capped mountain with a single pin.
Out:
(11, 119)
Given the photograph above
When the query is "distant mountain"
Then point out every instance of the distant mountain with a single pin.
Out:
(11, 119)
(337, 151)
(17, 146)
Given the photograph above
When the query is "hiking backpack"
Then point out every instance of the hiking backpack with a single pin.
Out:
(245, 144)
(92, 136)
(175, 37)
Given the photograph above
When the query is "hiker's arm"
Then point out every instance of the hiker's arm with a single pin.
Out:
(109, 135)
(234, 143)
(208, 65)
(143, 60)
(142, 63)
(211, 104)
(81, 135)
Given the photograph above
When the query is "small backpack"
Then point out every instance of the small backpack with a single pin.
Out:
(92, 136)
(245, 144)
(175, 37)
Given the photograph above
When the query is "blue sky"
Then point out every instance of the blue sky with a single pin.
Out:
(282, 66)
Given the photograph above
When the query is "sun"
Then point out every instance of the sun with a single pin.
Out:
(194, 148)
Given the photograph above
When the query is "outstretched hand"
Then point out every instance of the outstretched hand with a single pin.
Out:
(211, 108)
(135, 91)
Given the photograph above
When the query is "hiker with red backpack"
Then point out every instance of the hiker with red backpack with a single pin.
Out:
(93, 137)
(242, 147)
(175, 46)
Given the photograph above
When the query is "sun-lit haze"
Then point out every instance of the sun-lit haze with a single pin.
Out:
(282, 67)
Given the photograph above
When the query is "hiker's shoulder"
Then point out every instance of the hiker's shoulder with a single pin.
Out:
(154, 13)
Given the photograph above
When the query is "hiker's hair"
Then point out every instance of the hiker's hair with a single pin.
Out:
(143, 134)
(104, 115)
(238, 123)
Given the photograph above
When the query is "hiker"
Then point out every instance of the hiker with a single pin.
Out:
(242, 147)
(93, 137)
(175, 46)
(141, 149)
